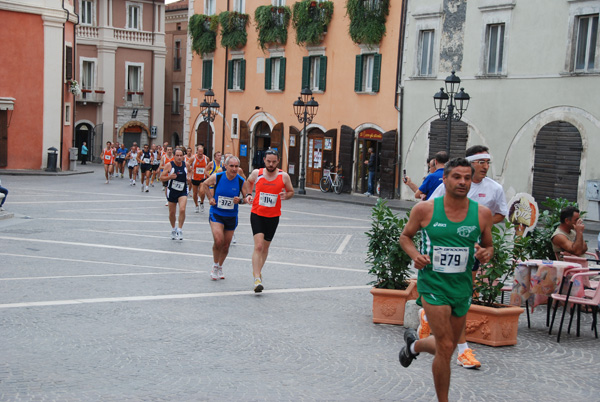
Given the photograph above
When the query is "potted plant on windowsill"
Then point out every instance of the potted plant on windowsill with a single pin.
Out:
(203, 31)
(489, 322)
(272, 24)
(367, 20)
(233, 29)
(390, 265)
(310, 20)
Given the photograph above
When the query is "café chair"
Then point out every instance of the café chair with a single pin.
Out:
(591, 302)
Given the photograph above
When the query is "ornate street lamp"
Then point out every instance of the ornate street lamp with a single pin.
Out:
(209, 109)
(451, 104)
(305, 109)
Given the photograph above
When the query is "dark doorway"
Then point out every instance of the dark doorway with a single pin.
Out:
(262, 142)
(293, 168)
(556, 167)
(204, 136)
(83, 132)
(244, 151)
(368, 138)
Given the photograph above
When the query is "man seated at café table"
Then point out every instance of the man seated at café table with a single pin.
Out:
(568, 236)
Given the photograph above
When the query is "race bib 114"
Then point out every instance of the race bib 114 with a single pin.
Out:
(267, 200)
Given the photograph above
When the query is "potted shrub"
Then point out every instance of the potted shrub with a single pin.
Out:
(203, 31)
(233, 29)
(390, 265)
(272, 24)
(488, 322)
(367, 20)
(310, 20)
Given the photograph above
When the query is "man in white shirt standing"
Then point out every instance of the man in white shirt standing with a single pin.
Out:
(490, 194)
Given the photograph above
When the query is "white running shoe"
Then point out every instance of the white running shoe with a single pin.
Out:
(233, 240)
(201, 207)
(134, 182)
(179, 234)
(173, 234)
(147, 189)
(214, 273)
(167, 204)
(220, 272)
(106, 182)
(258, 286)
(197, 210)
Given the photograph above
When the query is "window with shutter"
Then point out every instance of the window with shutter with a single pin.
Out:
(358, 65)
(268, 74)
(282, 74)
(207, 74)
(242, 85)
(376, 72)
(230, 74)
(69, 63)
(322, 73)
(305, 72)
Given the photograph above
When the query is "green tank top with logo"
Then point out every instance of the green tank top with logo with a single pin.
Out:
(451, 248)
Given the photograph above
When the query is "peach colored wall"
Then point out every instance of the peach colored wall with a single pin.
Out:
(22, 78)
(67, 137)
(133, 56)
(339, 104)
(119, 15)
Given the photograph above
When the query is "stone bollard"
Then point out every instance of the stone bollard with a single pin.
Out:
(411, 314)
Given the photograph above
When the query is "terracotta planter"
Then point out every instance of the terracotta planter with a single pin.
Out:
(493, 326)
(388, 304)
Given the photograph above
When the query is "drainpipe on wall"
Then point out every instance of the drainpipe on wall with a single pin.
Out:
(225, 99)
(152, 77)
(62, 93)
(74, 68)
(399, 95)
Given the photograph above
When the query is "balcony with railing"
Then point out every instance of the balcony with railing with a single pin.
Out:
(119, 34)
(134, 98)
(91, 95)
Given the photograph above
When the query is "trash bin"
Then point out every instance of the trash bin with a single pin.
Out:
(52, 158)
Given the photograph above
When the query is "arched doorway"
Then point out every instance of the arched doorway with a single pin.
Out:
(204, 137)
(83, 132)
(314, 157)
(556, 166)
(367, 138)
(262, 142)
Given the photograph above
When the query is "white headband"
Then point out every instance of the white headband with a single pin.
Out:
(476, 157)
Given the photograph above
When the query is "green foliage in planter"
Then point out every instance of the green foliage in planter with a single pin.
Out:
(203, 31)
(367, 23)
(507, 253)
(389, 263)
(310, 20)
(540, 244)
(233, 29)
(272, 24)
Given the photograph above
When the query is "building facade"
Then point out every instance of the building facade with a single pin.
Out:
(256, 85)
(120, 66)
(532, 70)
(176, 38)
(36, 105)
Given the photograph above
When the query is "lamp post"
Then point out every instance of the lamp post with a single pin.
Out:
(451, 104)
(305, 109)
(209, 109)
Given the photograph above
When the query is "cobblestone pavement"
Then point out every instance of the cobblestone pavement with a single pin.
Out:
(97, 303)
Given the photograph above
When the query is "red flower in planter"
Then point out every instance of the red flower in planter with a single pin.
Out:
(86, 90)
(313, 3)
(280, 11)
(139, 93)
(273, 9)
(98, 91)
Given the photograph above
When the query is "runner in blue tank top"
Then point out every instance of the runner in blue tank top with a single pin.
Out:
(224, 198)
(175, 177)
(455, 231)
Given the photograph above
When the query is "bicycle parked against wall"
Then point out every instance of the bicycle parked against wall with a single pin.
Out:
(332, 180)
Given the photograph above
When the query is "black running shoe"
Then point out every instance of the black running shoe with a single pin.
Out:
(406, 357)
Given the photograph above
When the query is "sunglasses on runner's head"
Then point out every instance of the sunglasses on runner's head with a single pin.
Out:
(272, 152)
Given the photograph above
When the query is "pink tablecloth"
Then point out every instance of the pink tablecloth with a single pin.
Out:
(536, 280)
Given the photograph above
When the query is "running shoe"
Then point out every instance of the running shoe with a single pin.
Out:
(173, 234)
(214, 273)
(258, 287)
(221, 276)
(121, 175)
(233, 240)
(134, 182)
(406, 357)
(201, 207)
(147, 189)
(2, 209)
(467, 359)
(179, 234)
(167, 204)
(152, 184)
(197, 209)
(423, 331)
(106, 182)
(142, 188)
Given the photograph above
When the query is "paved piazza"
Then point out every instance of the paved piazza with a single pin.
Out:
(97, 303)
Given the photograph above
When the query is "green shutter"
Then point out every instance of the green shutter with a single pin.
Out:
(207, 74)
(358, 72)
(282, 74)
(268, 74)
(243, 75)
(305, 72)
(230, 74)
(322, 73)
(376, 72)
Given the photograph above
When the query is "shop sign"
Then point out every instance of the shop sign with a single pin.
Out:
(370, 134)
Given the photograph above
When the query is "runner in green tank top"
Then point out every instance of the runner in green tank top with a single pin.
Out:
(455, 231)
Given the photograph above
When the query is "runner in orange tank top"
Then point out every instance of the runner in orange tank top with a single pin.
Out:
(108, 156)
(198, 166)
(272, 186)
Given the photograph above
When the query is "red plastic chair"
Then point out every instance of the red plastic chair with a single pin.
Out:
(592, 302)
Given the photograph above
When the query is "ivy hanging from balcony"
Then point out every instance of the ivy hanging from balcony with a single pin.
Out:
(233, 29)
(272, 24)
(310, 20)
(367, 20)
(203, 31)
